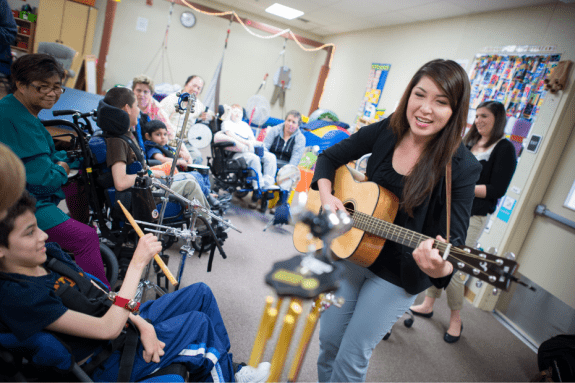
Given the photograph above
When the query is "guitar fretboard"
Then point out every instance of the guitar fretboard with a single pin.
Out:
(391, 231)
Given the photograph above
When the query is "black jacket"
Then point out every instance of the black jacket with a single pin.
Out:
(428, 219)
(496, 174)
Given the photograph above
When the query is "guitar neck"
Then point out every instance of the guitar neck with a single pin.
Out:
(391, 231)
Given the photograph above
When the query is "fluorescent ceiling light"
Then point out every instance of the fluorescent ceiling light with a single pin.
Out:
(283, 11)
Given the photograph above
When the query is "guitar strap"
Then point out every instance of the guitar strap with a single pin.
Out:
(448, 196)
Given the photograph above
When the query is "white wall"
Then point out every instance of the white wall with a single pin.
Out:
(407, 47)
(198, 51)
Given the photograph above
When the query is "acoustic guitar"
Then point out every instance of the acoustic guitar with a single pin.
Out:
(373, 210)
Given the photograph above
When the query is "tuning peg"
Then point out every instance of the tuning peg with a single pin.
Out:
(495, 291)
(509, 255)
(492, 250)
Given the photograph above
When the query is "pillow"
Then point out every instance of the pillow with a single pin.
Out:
(239, 147)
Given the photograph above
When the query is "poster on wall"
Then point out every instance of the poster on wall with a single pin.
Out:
(368, 109)
(517, 81)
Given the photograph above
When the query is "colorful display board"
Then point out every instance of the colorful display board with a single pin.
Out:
(517, 81)
(514, 80)
(375, 83)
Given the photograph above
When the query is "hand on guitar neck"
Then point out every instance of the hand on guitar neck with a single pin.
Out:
(429, 260)
(373, 209)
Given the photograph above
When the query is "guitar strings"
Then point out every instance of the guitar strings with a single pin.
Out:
(365, 219)
(381, 224)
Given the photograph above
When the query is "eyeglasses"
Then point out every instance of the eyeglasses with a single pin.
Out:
(47, 89)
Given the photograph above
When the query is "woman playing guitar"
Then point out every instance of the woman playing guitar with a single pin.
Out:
(410, 153)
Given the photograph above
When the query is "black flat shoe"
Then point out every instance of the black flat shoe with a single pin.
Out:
(452, 339)
(425, 315)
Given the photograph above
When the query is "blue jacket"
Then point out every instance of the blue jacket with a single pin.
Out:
(8, 30)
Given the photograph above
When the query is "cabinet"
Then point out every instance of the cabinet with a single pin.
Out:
(25, 37)
(68, 23)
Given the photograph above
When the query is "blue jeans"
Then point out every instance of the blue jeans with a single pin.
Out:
(203, 181)
(188, 321)
(348, 335)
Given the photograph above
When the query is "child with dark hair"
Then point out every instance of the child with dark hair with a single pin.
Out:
(117, 115)
(181, 327)
(156, 143)
(157, 148)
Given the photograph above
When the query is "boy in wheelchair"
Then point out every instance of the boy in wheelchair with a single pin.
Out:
(42, 289)
(156, 145)
(117, 113)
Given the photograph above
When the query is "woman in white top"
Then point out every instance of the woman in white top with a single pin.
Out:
(194, 85)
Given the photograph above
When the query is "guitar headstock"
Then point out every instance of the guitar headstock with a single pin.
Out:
(497, 271)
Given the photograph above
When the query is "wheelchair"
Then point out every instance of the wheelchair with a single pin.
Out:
(233, 174)
(100, 196)
(46, 357)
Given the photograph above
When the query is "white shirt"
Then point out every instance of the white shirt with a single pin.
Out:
(240, 128)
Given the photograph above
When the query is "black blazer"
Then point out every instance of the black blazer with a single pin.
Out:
(496, 175)
(430, 217)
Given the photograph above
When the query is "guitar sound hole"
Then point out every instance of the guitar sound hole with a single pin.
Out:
(349, 208)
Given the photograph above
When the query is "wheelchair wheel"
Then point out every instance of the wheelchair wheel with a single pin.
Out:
(168, 241)
(241, 194)
(110, 263)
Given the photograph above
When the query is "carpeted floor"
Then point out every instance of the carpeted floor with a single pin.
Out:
(487, 351)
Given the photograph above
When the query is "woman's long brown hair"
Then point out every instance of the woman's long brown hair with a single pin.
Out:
(452, 80)
(498, 110)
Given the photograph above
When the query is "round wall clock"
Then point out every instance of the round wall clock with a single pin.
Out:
(188, 19)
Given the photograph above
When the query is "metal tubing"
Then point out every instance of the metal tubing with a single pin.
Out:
(542, 210)
(284, 341)
(308, 330)
(264, 332)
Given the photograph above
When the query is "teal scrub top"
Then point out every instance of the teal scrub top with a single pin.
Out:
(30, 141)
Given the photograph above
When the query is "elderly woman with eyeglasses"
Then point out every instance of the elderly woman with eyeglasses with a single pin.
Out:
(36, 85)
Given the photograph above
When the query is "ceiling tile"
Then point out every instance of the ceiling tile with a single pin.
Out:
(435, 10)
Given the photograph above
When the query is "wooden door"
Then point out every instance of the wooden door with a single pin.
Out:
(74, 26)
(49, 24)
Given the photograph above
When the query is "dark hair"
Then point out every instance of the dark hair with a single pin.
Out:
(498, 110)
(450, 77)
(120, 97)
(295, 114)
(24, 204)
(34, 67)
(153, 126)
(190, 78)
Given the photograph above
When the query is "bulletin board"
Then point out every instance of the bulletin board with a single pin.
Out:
(515, 80)
(368, 109)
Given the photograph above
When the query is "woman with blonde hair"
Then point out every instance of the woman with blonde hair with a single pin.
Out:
(12, 179)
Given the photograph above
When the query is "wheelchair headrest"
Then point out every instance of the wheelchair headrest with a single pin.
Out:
(112, 120)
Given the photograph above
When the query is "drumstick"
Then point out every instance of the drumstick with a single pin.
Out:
(156, 257)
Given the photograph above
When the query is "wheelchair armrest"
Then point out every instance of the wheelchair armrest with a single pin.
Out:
(223, 144)
(152, 162)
